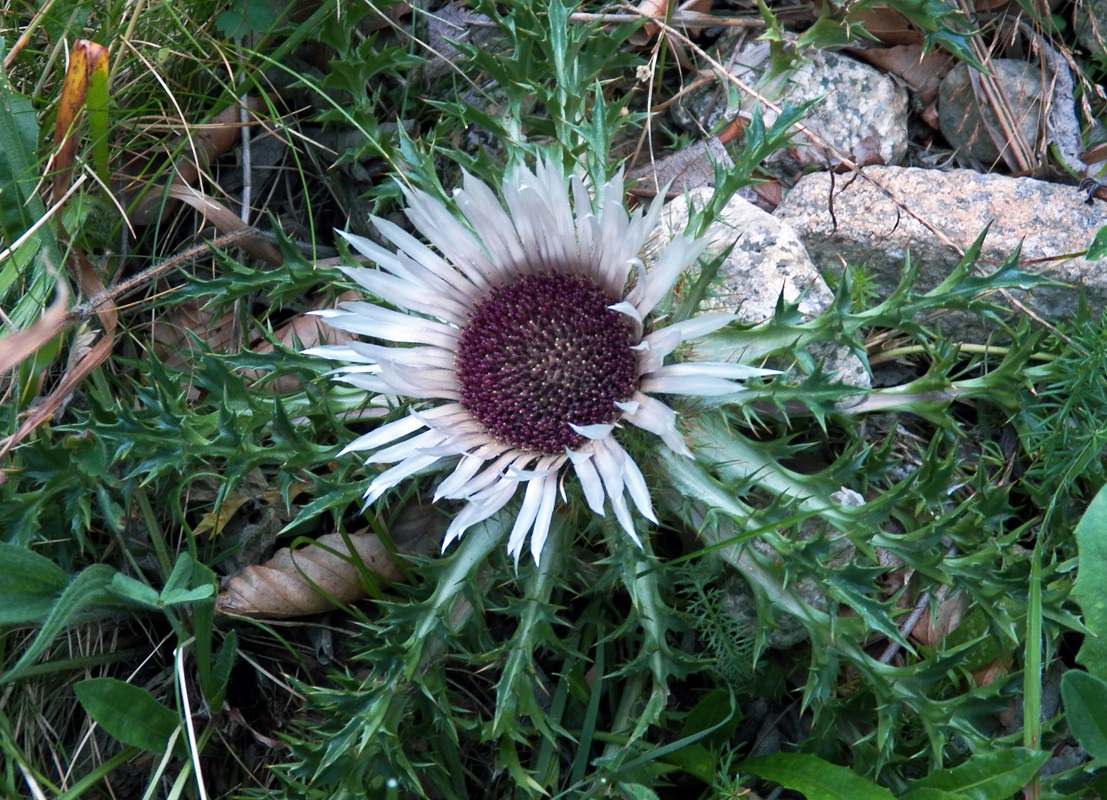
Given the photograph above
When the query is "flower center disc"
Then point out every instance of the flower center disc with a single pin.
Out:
(543, 352)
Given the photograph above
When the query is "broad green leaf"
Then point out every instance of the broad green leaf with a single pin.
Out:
(987, 776)
(214, 686)
(185, 596)
(128, 713)
(1085, 699)
(814, 778)
(181, 575)
(1098, 248)
(29, 585)
(96, 109)
(19, 205)
(930, 794)
(1091, 541)
(636, 791)
(696, 760)
(135, 591)
(86, 588)
(175, 592)
(715, 713)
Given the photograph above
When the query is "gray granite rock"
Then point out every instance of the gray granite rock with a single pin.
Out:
(1089, 18)
(868, 228)
(965, 122)
(766, 259)
(863, 113)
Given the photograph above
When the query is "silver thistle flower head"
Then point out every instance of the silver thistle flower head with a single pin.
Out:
(523, 346)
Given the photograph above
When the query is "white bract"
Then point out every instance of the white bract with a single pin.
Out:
(522, 347)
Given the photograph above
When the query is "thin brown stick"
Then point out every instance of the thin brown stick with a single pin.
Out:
(1015, 151)
(89, 307)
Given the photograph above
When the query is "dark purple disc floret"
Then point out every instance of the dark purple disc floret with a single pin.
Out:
(543, 352)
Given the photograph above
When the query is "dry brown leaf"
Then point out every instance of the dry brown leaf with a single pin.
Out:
(451, 23)
(309, 580)
(171, 333)
(225, 220)
(419, 530)
(694, 7)
(681, 171)
(15, 347)
(1095, 155)
(896, 577)
(205, 144)
(659, 9)
(769, 195)
(687, 169)
(648, 8)
(378, 20)
(289, 584)
(85, 58)
(888, 26)
(91, 356)
(866, 152)
(49, 405)
(213, 522)
(921, 71)
(929, 116)
(992, 671)
(932, 630)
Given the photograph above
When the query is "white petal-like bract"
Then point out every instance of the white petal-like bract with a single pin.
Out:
(522, 338)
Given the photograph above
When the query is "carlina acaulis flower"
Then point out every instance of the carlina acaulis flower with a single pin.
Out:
(522, 345)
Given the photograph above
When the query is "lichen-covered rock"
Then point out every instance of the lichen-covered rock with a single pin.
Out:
(868, 228)
(863, 113)
(765, 259)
